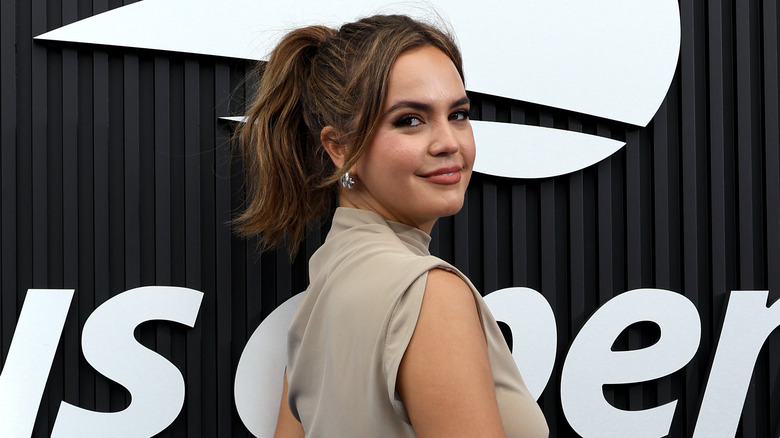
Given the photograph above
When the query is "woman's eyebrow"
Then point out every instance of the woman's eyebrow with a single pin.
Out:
(422, 106)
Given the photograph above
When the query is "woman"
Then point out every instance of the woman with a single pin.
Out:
(389, 340)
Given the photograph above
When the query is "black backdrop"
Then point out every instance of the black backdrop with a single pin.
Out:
(116, 173)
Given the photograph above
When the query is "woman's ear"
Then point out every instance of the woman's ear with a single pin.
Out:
(337, 151)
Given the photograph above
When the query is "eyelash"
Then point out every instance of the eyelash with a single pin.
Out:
(406, 121)
(465, 113)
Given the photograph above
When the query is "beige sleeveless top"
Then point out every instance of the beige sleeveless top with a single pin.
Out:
(353, 325)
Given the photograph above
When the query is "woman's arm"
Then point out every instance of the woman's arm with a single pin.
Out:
(445, 379)
(286, 425)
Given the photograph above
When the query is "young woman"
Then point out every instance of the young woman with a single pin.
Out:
(388, 341)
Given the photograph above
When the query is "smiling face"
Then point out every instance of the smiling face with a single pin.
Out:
(418, 164)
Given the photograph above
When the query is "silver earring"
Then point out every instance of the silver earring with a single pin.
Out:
(347, 181)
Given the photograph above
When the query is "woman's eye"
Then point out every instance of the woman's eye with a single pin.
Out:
(460, 115)
(408, 121)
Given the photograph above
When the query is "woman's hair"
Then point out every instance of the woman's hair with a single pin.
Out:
(318, 77)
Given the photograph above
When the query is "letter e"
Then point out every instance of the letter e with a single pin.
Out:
(591, 363)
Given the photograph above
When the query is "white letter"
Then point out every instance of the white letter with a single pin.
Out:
(747, 324)
(258, 387)
(591, 363)
(534, 334)
(29, 359)
(156, 385)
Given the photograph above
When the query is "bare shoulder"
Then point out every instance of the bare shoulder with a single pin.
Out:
(446, 292)
(445, 379)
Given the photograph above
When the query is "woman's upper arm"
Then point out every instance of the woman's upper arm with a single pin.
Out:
(286, 425)
(445, 380)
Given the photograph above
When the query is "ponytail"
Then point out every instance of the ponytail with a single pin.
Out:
(283, 158)
(318, 77)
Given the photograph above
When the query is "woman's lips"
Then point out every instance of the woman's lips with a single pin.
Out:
(444, 176)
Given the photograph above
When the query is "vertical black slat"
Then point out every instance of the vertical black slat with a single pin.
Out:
(70, 206)
(116, 205)
(132, 172)
(146, 169)
(561, 304)
(54, 167)
(554, 276)
(577, 255)
(611, 234)
(503, 230)
(534, 237)
(8, 183)
(721, 132)
(39, 149)
(227, 328)
(694, 190)
(139, 183)
(665, 196)
(460, 227)
(54, 205)
(85, 296)
(518, 217)
(283, 275)
(749, 153)
(750, 241)
(177, 181)
(24, 194)
(173, 128)
(490, 236)
(489, 220)
(39, 122)
(549, 278)
(206, 150)
(255, 310)
(639, 207)
(751, 238)
(162, 188)
(554, 269)
(162, 171)
(637, 166)
(84, 9)
(159, 170)
(70, 188)
(519, 236)
(201, 421)
(771, 21)
(474, 236)
(609, 203)
(101, 200)
(442, 239)
(210, 222)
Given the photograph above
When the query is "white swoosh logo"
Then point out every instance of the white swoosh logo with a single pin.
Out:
(606, 58)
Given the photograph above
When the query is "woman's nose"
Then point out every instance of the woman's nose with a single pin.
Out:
(445, 140)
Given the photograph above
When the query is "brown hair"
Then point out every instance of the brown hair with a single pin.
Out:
(318, 77)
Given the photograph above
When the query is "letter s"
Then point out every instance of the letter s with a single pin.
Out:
(156, 385)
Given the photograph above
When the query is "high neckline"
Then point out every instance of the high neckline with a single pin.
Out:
(415, 238)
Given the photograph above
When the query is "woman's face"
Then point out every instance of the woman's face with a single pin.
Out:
(418, 165)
